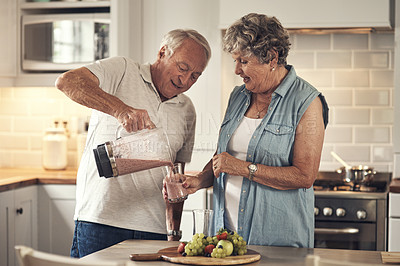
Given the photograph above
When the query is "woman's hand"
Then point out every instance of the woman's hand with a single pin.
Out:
(226, 163)
(191, 183)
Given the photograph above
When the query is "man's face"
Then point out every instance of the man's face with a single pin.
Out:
(177, 73)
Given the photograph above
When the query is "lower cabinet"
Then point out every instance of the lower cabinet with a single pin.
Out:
(38, 216)
(394, 222)
(18, 222)
(56, 211)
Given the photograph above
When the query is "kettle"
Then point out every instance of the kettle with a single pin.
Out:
(141, 150)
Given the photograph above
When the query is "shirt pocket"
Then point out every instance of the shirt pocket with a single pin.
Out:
(277, 139)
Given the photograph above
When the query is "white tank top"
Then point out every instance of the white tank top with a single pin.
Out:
(237, 147)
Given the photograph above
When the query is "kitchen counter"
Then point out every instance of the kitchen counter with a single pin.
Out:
(12, 178)
(269, 255)
(395, 185)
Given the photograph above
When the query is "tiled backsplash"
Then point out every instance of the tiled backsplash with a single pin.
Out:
(25, 113)
(353, 71)
(355, 74)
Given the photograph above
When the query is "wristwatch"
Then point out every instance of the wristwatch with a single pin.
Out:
(174, 233)
(252, 169)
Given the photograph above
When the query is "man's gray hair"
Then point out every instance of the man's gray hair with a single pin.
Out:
(173, 39)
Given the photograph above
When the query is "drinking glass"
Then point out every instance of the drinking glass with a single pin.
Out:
(176, 192)
(202, 221)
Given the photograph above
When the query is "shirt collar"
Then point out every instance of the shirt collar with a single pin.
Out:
(145, 72)
(285, 85)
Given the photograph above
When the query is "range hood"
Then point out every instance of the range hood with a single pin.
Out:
(315, 16)
(349, 30)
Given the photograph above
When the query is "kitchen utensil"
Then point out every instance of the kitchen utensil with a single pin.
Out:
(390, 257)
(360, 174)
(202, 221)
(340, 160)
(141, 150)
(176, 192)
(171, 255)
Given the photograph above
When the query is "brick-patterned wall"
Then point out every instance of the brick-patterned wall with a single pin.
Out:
(355, 73)
(25, 113)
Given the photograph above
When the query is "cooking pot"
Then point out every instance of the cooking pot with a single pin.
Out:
(360, 174)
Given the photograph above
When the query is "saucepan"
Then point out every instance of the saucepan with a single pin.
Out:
(360, 174)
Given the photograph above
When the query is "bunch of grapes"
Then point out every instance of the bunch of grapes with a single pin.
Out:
(199, 242)
(196, 246)
(239, 245)
(218, 252)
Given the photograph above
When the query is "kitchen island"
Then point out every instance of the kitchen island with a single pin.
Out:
(270, 256)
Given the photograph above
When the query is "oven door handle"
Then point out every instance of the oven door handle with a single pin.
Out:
(337, 231)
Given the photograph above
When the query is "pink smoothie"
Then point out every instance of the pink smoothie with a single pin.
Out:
(127, 166)
(176, 193)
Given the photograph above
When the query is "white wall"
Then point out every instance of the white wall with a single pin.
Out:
(160, 17)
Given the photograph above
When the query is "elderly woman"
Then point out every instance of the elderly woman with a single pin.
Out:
(270, 142)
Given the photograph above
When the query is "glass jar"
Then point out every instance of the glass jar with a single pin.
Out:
(55, 149)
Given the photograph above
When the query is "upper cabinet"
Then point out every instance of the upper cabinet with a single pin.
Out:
(295, 14)
(55, 36)
(8, 40)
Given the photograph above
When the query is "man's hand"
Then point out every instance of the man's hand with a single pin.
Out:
(134, 119)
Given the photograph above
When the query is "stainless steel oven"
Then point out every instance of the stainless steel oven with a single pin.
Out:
(349, 218)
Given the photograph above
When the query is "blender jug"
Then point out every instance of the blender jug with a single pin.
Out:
(141, 150)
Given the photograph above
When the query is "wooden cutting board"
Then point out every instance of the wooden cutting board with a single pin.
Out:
(171, 254)
(390, 257)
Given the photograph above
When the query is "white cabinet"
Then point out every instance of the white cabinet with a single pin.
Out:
(7, 228)
(56, 205)
(18, 222)
(394, 222)
(312, 13)
(8, 41)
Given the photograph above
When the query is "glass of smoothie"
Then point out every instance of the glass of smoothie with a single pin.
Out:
(176, 192)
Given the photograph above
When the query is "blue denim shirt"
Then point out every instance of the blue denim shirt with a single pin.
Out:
(269, 216)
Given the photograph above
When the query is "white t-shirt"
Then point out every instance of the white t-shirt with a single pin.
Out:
(132, 201)
(237, 147)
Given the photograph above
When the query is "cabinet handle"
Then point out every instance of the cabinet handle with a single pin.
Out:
(20, 211)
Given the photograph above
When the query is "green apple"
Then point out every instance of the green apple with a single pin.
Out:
(227, 246)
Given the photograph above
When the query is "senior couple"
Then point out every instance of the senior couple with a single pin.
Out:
(268, 151)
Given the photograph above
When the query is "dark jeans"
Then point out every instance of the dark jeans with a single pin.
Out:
(92, 237)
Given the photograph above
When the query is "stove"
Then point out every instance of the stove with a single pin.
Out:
(349, 216)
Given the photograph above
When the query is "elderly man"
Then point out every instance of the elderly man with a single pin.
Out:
(137, 96)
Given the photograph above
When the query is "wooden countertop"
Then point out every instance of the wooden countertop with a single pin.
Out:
(12, 178)
(270, 256)
(395, 185)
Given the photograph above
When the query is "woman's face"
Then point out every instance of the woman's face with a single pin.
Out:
(256, 76)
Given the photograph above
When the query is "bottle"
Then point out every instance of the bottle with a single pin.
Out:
(55, 148)
(81, 142)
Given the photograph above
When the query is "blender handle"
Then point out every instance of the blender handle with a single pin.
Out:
(118, 132)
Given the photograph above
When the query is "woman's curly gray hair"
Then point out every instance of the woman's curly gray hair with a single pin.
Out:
(258, 35)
